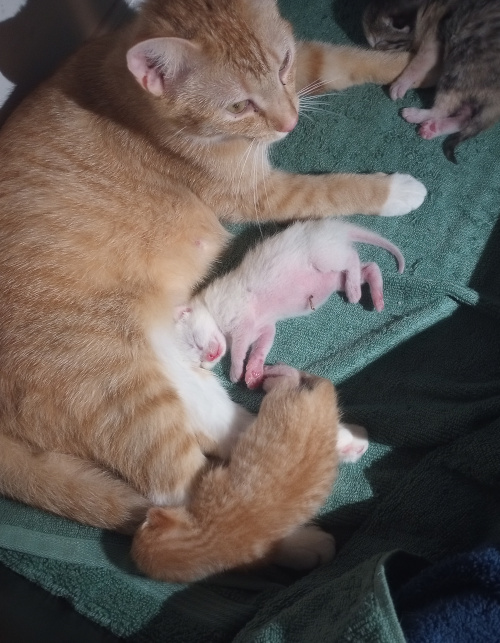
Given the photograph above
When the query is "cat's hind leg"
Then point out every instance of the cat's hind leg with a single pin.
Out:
(353, 278)
(241, 340)
(255, 366)
(433, 122)
(69, 486)
(449, 114)
(371, 275)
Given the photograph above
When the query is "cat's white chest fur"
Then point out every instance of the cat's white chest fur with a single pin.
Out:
(209, 407)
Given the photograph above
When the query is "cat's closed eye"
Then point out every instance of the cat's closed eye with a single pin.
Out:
(286, 61)
(285, 66)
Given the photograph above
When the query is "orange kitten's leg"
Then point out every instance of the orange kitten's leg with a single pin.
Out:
(322, 67)
(68, 486)
(282, 196)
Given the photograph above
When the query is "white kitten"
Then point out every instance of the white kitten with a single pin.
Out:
(289, 274)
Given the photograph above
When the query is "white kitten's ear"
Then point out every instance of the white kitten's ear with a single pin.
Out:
(160, 62)
(181, 311)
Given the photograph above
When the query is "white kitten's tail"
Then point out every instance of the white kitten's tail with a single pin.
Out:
(362, 235)
(69, 487)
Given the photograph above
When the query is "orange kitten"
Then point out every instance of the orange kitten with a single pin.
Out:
(281, 471)
(114, 175)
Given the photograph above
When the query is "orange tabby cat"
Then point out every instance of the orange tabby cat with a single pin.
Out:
(114, 176)
(281, 471)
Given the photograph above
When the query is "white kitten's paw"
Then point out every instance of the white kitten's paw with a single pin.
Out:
(405, 194)
(352, 442)
(254, 373)
(305, 548)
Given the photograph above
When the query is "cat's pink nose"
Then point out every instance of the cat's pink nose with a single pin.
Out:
(287, 124)
(214, 354)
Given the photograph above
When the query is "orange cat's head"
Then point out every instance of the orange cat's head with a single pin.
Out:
(218, 68)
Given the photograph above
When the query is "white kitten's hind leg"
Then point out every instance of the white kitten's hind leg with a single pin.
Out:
(405, 194)
(305, 548)
(352, 442)
(254, 372)
(241, 341)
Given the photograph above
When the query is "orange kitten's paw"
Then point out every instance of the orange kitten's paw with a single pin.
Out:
(352, 442)
(306, 548)
(280, 374)
(405, 194)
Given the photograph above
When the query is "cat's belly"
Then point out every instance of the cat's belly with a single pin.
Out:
(208, 407)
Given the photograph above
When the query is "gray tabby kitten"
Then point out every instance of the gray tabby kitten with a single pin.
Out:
(457, 46)
(390, 24)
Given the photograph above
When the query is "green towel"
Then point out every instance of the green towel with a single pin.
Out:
(423, 377)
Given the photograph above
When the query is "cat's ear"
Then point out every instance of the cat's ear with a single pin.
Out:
(161, 62)
(167, 519)
(180, 312)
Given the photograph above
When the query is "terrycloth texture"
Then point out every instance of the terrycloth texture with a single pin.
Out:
(423, 376)
(456, 600)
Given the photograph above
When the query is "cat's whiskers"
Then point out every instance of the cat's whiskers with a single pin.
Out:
(263, 157)
(311, 104)
(302, 113)
(175, 135)
(244, 160)
(254, 182)
(313, 100)
(312, 108)
(309, 89)
(306, 88)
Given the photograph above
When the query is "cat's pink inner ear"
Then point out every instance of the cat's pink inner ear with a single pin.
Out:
(158, 63)
(167, 518)
(181, 311)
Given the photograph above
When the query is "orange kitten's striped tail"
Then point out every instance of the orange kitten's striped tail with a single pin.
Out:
(68, 486)
(251, 510)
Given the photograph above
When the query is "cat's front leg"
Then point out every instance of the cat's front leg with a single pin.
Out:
(282, 196)
(323, 68)
(422, 71)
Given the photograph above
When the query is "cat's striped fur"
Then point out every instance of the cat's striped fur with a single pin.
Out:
(114, 175)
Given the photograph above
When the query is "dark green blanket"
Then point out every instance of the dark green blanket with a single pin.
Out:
(423, 377)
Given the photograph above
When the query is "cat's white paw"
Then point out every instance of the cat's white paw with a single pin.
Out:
(405, 194)
(352, 442)
(305, 548)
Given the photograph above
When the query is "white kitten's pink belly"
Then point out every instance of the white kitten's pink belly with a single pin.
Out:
(303, 292)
